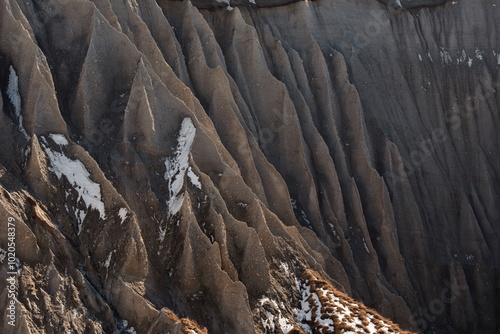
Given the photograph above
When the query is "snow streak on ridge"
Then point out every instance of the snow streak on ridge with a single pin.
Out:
(15, 97)
(79, 177)
(177, 165)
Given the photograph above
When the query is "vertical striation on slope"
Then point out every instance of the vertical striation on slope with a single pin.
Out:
(353, 139)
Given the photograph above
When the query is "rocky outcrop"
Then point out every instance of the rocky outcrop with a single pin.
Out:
(174, 165)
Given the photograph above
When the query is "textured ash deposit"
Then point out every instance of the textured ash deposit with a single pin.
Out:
(165, 161)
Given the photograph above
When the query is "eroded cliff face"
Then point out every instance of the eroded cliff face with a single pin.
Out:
(172, 165)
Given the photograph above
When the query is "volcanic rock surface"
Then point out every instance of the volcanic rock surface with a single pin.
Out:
(194, 167)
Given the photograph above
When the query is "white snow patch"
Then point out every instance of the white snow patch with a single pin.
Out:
(307, 310)
(343, 311)
(285, 268)
(80, 214)
(462, 58)
(226, 2)
(419, 57)
(193, 178)
(269, 320)
(15, 97)
(123, 326)
(161, 236)
(284, 324)
(445, 56)
(13, 91)
(429, 55)
(123, 214)
(366, 247)
(78, 176)
(76, 314)
(177, 165)
(302, 213)
(108, 261)
(59, 139)
(479, 54)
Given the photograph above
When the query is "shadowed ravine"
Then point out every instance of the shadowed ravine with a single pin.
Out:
(172, 166)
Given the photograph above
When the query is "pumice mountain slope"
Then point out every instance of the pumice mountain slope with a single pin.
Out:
(249, 167)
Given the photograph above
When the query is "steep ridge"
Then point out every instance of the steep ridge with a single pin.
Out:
(178, 166)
